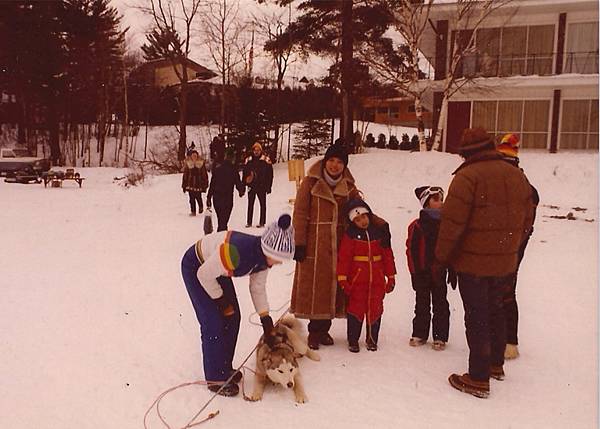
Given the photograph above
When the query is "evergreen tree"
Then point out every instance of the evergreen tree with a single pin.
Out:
(312, 138)
(337, 29)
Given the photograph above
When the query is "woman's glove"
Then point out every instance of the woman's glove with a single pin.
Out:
(268, 330)
(225, 306)
(300, 253)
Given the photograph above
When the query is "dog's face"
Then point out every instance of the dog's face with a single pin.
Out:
(283, 373)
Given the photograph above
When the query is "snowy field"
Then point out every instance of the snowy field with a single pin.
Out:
(96, 321)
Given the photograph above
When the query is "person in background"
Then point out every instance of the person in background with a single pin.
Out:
(195, 180)
(509, 148)
(429, 291)
(225, 177)
(207, 268)
(258, 176)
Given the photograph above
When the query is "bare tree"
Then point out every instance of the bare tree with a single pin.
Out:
(221, 29)
(273, 27)
(401, 65)
(171, 38)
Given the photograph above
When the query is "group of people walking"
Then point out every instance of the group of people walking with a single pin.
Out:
(473, 239)
(225, 179)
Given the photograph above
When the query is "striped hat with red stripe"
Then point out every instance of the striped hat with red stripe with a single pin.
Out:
(509, 145)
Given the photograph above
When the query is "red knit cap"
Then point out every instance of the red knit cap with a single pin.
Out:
(509, 145)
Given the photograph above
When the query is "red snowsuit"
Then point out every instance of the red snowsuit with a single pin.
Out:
(365, 259)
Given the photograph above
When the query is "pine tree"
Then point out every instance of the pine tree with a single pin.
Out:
(312, 138)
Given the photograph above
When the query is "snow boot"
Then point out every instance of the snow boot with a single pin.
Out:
(313, 340)
(416, 341)
(237, 376)
(511, 351)
(193, 214)
(229, 389)
(497, 372)
(466, 384)
(326, 339)
(371, 346)
(353, 347)
(438, 345)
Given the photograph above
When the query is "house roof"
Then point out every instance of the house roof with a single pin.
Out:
(202, 72)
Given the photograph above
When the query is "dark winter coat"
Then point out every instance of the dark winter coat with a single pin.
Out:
(224, 178)
(319, 223)
(421, 241)
(195, 176)
(258, 173)
(485, 218)
(365, 259)
(535, 199)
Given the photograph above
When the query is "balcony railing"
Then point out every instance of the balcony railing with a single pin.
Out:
(485, 65)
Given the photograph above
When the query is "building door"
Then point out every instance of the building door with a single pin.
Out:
(459, 118)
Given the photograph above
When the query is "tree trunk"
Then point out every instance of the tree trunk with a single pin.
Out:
(183, 115)
(53, 128)
(420, 124)
(439, 132)
(346, 126)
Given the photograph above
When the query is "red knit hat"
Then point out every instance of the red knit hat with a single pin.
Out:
(509, 145)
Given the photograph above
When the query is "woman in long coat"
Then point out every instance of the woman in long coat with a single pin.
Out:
(319, 225)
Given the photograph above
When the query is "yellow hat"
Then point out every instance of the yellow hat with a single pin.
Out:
(257, 146)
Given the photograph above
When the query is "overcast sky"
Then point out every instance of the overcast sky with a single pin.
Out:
(139, 24)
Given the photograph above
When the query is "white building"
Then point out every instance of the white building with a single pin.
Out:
(534, 70)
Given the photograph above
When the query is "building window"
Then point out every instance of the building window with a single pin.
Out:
(510, 51)
(528, 119)
(579, 124)
(582, 48)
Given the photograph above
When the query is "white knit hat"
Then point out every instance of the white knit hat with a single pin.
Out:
(277, 241)
(357, 211)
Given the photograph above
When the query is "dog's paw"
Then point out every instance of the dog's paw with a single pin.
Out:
(301, 399)
(254, 397)
(313, 355)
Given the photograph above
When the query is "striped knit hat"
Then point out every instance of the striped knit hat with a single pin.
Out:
(277, 241)
(509, 145)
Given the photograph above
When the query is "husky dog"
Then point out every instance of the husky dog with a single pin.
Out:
(280, 364)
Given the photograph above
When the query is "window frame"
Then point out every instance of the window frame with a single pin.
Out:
(587, 133)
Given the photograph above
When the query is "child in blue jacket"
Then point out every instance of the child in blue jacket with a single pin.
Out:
(207, 268)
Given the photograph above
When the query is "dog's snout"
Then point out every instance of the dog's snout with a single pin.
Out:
(290, 385)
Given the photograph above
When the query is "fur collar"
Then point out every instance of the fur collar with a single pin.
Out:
(322, 190)
(191, 164)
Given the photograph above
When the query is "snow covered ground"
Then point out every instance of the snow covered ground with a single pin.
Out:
(96, 321)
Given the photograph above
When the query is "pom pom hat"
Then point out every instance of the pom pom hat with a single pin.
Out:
(509, 145)
(277, 242)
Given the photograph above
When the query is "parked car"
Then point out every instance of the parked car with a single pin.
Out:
(12, 161)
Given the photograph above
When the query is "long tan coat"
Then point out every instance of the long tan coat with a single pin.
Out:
(319, 225)
(487, 215)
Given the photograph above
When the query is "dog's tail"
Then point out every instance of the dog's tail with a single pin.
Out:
(291, 322)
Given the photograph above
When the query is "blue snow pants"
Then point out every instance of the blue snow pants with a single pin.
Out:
(218, 333)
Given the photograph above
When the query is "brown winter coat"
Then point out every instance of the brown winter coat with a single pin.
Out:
(319, 224)
(485, 218)
(195, 176)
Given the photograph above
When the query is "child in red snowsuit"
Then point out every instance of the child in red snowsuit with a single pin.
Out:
(366, 272)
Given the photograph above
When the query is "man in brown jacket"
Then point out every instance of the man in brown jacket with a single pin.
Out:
(486, 217)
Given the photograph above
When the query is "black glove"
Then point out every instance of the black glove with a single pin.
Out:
(269, 331)
(225, 306)
(268, 191)
(300, 253)
(183, 189)
(452, 279)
